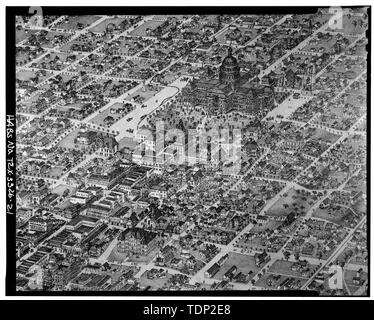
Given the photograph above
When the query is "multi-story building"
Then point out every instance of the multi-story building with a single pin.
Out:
(40, 224)
(107, 180)
(231, 91)
(64, 274)
(137, 241)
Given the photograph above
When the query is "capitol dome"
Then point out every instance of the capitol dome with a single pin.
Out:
(229, 72)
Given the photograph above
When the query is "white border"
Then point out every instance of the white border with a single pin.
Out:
(118, 3)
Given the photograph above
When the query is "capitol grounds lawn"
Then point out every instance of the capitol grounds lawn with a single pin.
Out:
(243, 262)
(283, 267)
(156, 283)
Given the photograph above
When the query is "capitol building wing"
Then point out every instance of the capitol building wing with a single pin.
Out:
(231, 91)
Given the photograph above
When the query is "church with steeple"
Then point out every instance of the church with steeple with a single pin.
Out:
(231, 91)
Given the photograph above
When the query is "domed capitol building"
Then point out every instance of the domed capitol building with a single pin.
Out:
(232, 91)
(229, 72)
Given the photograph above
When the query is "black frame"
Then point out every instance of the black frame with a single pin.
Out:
(11, 12)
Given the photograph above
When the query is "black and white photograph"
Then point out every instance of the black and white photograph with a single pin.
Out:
(187, 151)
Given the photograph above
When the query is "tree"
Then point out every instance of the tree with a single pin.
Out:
(286, 255)
(66, 193)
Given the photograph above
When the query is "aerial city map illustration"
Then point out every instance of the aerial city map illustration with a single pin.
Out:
(196, 152)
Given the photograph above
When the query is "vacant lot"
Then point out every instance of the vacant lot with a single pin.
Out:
(293, 200)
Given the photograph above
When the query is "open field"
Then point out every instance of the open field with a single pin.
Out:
(291, 201)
